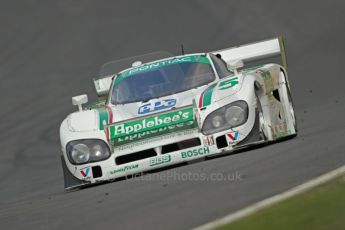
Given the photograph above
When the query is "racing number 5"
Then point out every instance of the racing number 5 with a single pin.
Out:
(228, 83)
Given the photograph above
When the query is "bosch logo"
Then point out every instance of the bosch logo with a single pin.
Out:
(156, 106)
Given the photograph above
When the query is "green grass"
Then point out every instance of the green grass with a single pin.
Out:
(320, 208)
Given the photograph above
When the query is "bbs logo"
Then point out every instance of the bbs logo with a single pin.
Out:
(156, 106)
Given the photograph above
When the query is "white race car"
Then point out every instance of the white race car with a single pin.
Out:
(172, 110)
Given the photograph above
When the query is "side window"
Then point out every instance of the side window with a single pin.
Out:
(220, 66)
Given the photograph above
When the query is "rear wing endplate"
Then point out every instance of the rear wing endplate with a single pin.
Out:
(102, 85)
(255, 51)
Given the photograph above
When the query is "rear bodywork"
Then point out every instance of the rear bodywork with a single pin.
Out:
(169, 130)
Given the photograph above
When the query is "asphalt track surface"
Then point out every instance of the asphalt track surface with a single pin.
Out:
(49, 52)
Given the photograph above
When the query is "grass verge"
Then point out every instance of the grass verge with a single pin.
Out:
(322, 208)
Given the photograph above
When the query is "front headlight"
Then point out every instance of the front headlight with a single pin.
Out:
(235, 115)
(87, 151)
(80, 153)
(227, 117)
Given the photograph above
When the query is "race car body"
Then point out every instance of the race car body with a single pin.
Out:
(176, 109)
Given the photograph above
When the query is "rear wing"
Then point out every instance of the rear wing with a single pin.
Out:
(255, 52)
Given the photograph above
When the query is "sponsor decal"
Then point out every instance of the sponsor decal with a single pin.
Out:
(124, 169)
(156, 139)
(208, 140)
(228, 83)
(206, 96)
(265, 74)
(195, 152)
(160, 64)
(160, 160)
(156, 106)
(85, 172)
(281, 130)
(178, 120)
(233, 136)
(162, 132)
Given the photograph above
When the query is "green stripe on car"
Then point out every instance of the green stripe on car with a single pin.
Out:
(103, 117)
(208, 95)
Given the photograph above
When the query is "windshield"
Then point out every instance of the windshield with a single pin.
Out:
(161, 79)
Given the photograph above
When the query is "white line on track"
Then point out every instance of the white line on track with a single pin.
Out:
(273, 200)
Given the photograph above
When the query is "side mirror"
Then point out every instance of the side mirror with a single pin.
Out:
(235, 64)
(79, 100)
